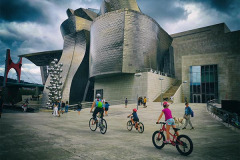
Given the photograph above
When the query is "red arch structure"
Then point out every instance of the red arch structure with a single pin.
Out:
(9, 65)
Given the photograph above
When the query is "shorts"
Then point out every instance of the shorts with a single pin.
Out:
(106, 109)
(170, 122)
(79, 110)
(136, 120)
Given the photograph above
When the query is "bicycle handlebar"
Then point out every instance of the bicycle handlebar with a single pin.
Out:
(160, 122)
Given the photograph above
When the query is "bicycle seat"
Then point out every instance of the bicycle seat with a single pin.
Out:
(176, 129)
(161, 123)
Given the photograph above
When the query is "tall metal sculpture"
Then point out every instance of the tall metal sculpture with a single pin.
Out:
(55, 88)
(9, 65)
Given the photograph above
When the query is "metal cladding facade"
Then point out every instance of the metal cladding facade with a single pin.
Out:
(125, 41)
(113, 5)
(75, 56)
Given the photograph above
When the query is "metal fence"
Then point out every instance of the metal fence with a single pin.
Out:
(226, 116)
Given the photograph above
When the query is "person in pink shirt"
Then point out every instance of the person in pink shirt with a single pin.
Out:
(169, 120)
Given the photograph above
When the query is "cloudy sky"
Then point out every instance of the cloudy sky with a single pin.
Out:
(28, 26)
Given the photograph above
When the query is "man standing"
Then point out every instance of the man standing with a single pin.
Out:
(62, 107)
(144, 102)
(126, 102)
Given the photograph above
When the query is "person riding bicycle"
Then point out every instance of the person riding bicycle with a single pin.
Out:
(99, 106)
(169, 120)
(134, 118)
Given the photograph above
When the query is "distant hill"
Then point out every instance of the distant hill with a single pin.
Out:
(12, 80)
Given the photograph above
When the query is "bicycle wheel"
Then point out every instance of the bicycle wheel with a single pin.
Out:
(184, 145)
(157, 139)
(92, 124)
(140, 127)
(129, 125)
(103, 126)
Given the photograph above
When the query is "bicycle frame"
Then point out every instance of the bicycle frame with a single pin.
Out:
(174, 136)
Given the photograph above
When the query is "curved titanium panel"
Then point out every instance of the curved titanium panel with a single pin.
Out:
(74, 24)
(106, 46)
(140, 42)
(113, 5)
(125, 41)
(79, 79)
(76, 58)
(74, 50)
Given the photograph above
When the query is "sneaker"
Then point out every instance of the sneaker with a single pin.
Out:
(192, 128)
(166, 142)
(184, 128)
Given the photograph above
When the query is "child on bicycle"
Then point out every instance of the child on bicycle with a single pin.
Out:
(134, 118)
(169, 120)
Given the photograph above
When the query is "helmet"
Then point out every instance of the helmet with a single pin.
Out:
(98, 95)
(134, 110)
(165, 104)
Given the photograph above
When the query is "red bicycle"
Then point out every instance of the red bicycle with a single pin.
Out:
(183, 143)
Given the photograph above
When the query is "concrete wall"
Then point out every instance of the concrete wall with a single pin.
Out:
(228, 73)
(178, 95)
(206, 46)
(206, 40)
(119, 87)
(154, 85)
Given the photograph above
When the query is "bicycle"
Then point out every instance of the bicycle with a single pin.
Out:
(140, 126)
(93, 124)
(183, 143)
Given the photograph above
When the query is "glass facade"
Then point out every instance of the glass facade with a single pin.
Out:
(203, 83)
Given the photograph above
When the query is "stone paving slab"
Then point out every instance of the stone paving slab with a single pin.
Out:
(41, 136)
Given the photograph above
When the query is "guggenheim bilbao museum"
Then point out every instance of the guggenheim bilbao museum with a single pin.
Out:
(120, 52)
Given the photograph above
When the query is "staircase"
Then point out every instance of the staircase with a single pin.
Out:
(170, 92)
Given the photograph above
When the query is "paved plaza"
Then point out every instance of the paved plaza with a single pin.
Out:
(38, 136)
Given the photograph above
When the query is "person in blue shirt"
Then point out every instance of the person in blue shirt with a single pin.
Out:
(187, 116)
(134, 118)
(59, 107)
(106, 108)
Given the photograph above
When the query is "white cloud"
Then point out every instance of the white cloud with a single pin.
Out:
(197, 17)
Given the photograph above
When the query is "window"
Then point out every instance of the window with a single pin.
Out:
(203, 83)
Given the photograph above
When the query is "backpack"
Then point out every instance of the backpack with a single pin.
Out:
(99, 103)
(192, 113)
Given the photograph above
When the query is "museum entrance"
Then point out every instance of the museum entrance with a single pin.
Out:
(203, 83)
(197, 98)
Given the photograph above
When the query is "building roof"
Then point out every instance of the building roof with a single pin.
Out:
(43, 58)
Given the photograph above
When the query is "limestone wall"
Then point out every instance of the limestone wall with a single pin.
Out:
(178, 95)
(119, 87)
(228, 68)
(154, 85)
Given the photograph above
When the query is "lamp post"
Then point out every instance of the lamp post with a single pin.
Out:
(185, 98)
(161, 79)
(138, 75)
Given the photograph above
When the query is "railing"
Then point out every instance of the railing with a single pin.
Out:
(165, 90)
(174, 99)
(226, 116)
(156, 72)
